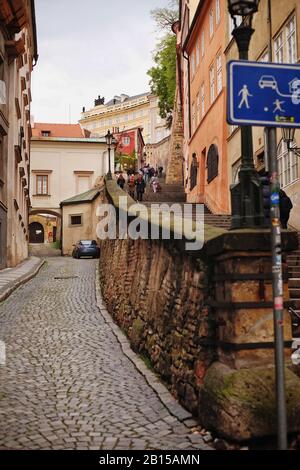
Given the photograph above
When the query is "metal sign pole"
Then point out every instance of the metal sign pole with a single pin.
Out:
(277, 290)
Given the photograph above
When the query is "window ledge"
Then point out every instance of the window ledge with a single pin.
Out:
(41, 195)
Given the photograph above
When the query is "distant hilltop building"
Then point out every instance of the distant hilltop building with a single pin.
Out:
(124, 112)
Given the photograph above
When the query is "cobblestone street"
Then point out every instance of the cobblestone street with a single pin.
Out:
(66, 383)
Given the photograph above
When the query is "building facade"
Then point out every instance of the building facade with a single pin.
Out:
(18, 55)
(158, 154)
(64, 163)
(202, 45)
(129, 150)
(285, 48)
(125, 112)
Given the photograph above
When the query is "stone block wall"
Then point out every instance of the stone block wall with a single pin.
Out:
(205, 321)
(159, 296)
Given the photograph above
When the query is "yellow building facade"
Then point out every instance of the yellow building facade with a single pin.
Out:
(125, 112)
(121, 113)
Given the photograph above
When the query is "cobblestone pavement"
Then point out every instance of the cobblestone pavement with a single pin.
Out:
(66, 383)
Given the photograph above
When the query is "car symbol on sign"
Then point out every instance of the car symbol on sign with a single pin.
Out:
(267, 81)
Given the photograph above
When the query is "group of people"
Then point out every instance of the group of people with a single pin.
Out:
(136, 182)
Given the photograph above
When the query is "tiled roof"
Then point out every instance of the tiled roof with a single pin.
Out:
(88, 196)
(59, 130)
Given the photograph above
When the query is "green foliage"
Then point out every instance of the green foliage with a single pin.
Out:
(163, 74)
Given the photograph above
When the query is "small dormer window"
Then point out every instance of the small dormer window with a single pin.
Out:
(45, 133)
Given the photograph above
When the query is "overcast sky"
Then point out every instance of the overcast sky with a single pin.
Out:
(89, 48)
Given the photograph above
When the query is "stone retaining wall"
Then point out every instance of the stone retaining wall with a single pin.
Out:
(205, 322)
(159, 296)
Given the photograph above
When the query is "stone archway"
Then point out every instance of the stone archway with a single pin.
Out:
(36, 233)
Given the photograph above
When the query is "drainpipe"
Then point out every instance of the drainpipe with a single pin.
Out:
(61, 228)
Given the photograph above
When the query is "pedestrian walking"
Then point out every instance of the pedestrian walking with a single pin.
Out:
(154, 183)
(140, 187)
(131, 186)
(285, 205)
(121, 180)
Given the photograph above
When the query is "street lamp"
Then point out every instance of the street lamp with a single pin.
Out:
(242, 7)
(246, 195)
(109, 142)
(288, 136)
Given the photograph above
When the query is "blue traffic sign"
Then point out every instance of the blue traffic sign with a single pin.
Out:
(263, 94)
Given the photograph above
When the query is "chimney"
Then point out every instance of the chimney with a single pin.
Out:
(124, 97)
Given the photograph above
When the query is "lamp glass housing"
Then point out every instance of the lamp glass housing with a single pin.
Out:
(288, 134)
(242, 7)
(109, 138)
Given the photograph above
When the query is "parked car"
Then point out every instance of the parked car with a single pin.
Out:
(86, 248)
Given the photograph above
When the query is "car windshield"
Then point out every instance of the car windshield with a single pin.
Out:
(87, 242)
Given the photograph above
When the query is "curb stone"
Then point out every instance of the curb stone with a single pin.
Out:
(22, 280)
(167, 399)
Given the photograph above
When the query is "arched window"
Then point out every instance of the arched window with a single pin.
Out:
(212, 163)
(287, 164)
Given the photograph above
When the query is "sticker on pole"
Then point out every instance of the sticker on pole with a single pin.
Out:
(278, 303)
(263, 94)
(275, 199)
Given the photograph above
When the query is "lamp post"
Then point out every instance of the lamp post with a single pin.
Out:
(246, 195)
(288, 136)
(109, 142)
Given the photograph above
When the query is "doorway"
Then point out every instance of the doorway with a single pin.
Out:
(36, 233)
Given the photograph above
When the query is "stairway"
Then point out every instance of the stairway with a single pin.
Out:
(293, 261)
(168, 193)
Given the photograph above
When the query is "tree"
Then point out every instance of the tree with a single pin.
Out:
(163, 74)
(166, 17)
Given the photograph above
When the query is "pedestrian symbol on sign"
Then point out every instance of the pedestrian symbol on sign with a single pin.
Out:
(245, 94)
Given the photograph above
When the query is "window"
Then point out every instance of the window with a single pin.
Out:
(239, 20)
(291, 41)
(193, 117)
(219, 74)
(45, 133)
(232, 128)
(235, 169)
(83, 184)
(42, 184)
(202, 43)
(197, 53)
(212, 163)
(218, 11)
(198, 110)
(202, 100)
(193, 64)
(279, 48)
(264, 57)
(287, 165)
(76, 219)
(126, 140)
(211, 23)
(212, 83)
